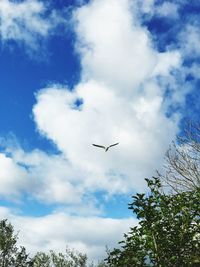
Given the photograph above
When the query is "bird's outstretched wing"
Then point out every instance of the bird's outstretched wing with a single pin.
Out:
(99, 146)
(114, 144)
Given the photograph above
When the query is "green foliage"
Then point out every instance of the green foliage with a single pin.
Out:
(70, 259)
(10, 254)
(41, 259)
(99, 264)
(168, 234)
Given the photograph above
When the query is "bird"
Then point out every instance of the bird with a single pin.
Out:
(104, 147)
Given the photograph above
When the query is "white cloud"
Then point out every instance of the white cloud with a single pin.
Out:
(194, 70)
(146, 6)
(122, 101)
(122, 104)
(55, 231)
(167, 62)
(48, 178)
(26, 21)
(189, 39)
(106, 118)
(114, 49)
(150, 7)
(12, 177)
(167, 9)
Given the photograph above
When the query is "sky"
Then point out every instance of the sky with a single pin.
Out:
(74, 73)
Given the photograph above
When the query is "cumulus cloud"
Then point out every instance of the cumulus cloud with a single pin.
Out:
(120, 56)
(106, 118)
(47, 178)
(55, 231)
(12, 177)
(26, 21)
(121, 101)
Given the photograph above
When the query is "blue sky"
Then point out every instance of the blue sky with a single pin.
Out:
(73, 73)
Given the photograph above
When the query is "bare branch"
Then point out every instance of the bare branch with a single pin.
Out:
(182, 168)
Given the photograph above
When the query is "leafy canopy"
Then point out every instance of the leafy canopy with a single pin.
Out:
(10, 254)
(168, 234)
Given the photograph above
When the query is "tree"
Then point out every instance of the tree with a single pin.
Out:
(168, 234)
(10, 254)
(70, 259)
(183, 161)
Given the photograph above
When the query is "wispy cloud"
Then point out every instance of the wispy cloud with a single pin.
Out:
(27, 22)
(189, 39)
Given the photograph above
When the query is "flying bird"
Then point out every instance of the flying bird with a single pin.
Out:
(104, 147)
